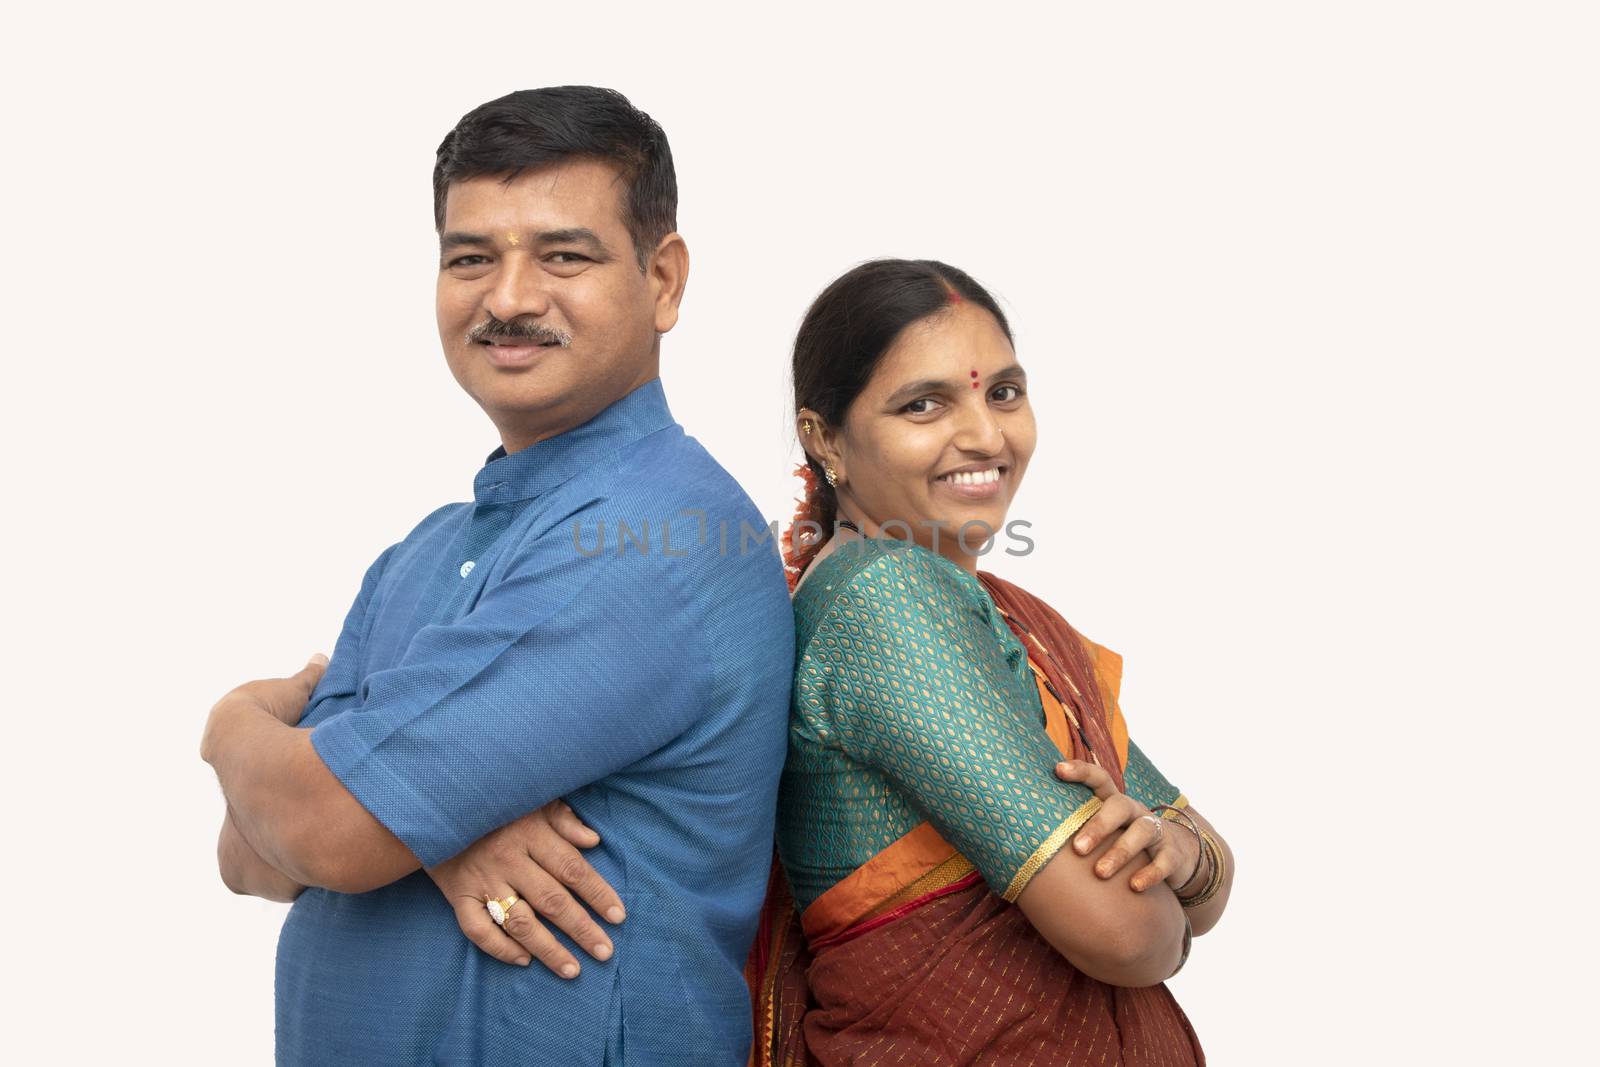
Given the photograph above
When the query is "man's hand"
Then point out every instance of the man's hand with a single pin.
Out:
(284, 698)
(243, 870)
(535, 860)
(248, 874)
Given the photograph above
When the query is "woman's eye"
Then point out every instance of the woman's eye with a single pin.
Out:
(1005, 394)
(921, 406)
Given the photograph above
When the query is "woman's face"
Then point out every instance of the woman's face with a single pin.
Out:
(940, 437)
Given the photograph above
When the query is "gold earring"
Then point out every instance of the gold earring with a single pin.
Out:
(827, 472)
(805, 427)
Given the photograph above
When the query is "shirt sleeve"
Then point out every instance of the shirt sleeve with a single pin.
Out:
(921, 680)
(555, 679)
(341, 681)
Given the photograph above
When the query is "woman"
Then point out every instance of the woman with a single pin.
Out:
(951, 733)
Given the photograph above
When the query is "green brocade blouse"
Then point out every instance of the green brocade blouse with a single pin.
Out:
(913, 701)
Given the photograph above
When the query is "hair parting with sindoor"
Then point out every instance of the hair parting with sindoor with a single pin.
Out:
(845, 334)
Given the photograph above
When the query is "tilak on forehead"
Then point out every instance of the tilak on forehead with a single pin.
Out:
(511, 238)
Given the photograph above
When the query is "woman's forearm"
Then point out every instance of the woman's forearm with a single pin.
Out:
(1102, 926)
(246, 873)
(1204, 917)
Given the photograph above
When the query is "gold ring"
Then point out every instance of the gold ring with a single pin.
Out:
(499, 908)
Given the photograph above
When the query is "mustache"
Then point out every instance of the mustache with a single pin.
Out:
(518, 329)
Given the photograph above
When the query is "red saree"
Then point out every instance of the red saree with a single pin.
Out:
(913, 959)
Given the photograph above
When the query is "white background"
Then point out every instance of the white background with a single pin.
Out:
(1307, 295)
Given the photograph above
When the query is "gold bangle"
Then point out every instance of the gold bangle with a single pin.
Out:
(1188, 940)
(1219, 873)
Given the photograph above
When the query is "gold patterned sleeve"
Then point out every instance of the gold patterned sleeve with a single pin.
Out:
(919, 677)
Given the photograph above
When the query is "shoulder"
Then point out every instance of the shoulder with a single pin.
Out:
(891, 632)
(665, 475)
(877, 563)
(893, 579)
(1040, 617)
(438, 517)
(440, 522)
(662, 518)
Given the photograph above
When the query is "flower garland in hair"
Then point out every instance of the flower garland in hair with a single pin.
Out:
(796, 557)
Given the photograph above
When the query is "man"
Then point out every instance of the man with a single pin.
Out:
(577, 631)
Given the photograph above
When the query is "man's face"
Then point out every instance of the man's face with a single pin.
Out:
(545, 316)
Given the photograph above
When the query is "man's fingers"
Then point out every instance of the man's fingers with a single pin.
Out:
(568, 825)
(473, 918)
(552, 900)
(575, 872)
(311, 673)
(531, 935)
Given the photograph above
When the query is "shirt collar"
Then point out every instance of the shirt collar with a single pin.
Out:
(540, 467)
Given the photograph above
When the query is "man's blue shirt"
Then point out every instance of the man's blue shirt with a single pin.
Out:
(605, 622)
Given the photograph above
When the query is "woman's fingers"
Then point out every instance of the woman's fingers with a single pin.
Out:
(1159, 869)
(1117, 811)
(1142, 834)
(474, 920)
(1090, 774)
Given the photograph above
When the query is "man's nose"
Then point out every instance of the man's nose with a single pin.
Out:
(519, 289)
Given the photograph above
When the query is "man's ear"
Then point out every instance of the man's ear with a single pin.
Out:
(668, 274)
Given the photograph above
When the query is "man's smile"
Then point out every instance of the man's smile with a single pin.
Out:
(515, 351)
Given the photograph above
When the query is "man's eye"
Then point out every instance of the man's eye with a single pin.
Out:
(568, 257)
(467, 261)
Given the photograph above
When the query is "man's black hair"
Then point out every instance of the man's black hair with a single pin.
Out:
(538, 127)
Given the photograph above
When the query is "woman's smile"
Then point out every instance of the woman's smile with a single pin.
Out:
(975, 481)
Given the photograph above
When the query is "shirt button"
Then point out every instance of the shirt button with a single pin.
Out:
(466, 568)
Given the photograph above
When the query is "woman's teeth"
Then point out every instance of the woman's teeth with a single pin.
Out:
(972, 477)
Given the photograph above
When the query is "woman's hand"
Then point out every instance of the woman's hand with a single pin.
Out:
(535, 859)
(1174, 853)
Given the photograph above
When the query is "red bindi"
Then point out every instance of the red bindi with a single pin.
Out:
(974, 375)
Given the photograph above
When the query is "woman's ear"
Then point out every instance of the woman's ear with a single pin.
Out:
(808, 428)
(815, 437)
(820, 440)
